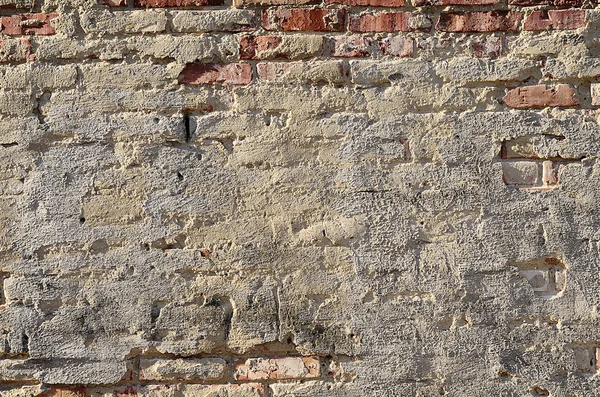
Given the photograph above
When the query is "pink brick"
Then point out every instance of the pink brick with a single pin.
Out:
(251, 45)
(392, 21)
(277, 368)
(555, 19)
(398, 46)
(304, 19)
(28, 24)
(472, 22)
(539, 96)
(351, 46)
(233, 73)
(521, 173)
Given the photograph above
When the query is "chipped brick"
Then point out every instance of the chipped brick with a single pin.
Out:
(233, 73)
(471, 22)
(277, 368)
(304, 19)
(540, 96)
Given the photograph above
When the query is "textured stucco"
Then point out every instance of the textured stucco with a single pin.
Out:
(188, 211)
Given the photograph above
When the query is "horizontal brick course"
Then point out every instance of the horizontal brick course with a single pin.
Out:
(555, 19)
(380, 22)
(234, 73)
(368, 3)
(472, 22)
(419, 3)
(304, 19)
(280, 47)
(539, 96)
(277, 368)
(207, 369)
(176, 3)
(28, 24)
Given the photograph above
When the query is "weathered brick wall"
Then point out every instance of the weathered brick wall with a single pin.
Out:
(295, 198)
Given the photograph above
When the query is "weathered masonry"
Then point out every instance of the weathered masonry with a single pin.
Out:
(299, 198)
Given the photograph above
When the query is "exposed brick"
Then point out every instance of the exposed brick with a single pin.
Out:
(250, 45)
(471, 22)
(280, 47)
(521, 173)
(490, 47)
(549, 173)
(233, 73)
(304, 19)
(274, 2)
(538, 279)
(554, 3)
(351, 46)
(398, 46)
(368, 3)
(182, 369)
(176, 3)
(539, 96)
(28, 24)
(302, 72)
(15, 50)
(380, 22)
(555, 19)
(277, 368)
(419, 3)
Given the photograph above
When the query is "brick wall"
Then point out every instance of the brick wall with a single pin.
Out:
(296, 198)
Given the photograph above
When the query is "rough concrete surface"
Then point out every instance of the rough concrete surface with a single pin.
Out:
(298, 198)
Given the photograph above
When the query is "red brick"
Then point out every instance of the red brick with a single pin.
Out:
(555, 19)
(380, 22)
(398, 46)
(539, 96)
(113, 3)
(490, 47)
(277, 368)
(274, 2)
(233, 73)
(304, 19)
(472, 22)
(176, 3)
(351, 46)
(250, 45)
(419, 3)
(554, 3)
(297, 46)
(368, 3)
(28, 24)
